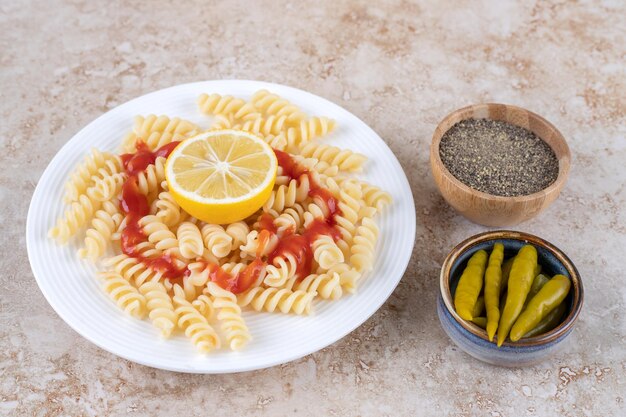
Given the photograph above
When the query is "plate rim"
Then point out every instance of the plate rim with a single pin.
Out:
(191, 370)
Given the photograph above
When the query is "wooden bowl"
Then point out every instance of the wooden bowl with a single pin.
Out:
(492, 210)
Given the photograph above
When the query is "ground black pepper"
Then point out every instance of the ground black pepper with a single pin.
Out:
(498, 158)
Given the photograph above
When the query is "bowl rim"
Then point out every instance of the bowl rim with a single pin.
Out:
(558, 183)
(577, 287)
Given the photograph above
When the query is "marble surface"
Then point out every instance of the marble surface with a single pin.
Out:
(400, 66)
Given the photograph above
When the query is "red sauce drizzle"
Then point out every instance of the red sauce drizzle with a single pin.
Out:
(238, 283)
(299, 245)
(266, 222)
(135, 205)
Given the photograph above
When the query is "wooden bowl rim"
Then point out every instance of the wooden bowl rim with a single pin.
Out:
(555, 186)
(577, 286)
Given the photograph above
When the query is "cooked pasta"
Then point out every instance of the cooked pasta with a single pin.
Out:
(310, 129)
(217, 104)
(284, 267)
(252, 248)
(217, 240)
(326, 252)
(149, 181)
(168, 210)
(273, 104)
(193, 323)
(272, 125)
(229, 315)
(104, 224)
(313, 238)
(189, 240)
(272, 299)
(375, 197)
(156, 131)
(204, 305)
(132, 269)
(79, 213)
(363, 247)
(107, 187)
(127, 297)
(81, 178)
(238, 232)
(344, 159)
(327, 285)
(160, 307)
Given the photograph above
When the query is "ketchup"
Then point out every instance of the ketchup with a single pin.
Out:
(136, 205)
(300, 245)
(238, 283)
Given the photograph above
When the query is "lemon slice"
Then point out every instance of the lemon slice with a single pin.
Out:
(221, 176)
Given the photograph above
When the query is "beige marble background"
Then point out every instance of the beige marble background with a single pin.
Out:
(400, 66)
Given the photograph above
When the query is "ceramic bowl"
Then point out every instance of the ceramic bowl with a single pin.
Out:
(471, 338)
(487, 209)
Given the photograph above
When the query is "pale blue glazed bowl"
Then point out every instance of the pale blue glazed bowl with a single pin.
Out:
(471, 338)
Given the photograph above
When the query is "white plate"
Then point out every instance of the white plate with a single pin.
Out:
(71, 288)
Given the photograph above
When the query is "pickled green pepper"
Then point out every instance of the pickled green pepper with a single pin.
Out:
(470, 284)
(520, 281)
(538, 283)
(479, 307)
(506, 270)
(480, 322)
(547, 299)
(493, 281)
(549, 322)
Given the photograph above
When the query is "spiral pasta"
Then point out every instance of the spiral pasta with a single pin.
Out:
(375, 197)
(348, 276)
(276, 141)
(217, 240)
(363, 248)
(217, 104)
(104, 224)
(189, 240)
(327, 285)
(153, 123)
(123, 294)
(326, 252)
(168, 210)
(310, 129)
(290, 220)
(288, 195)
(316, 165)
(271, 125)
(157, 131)
(188, 274)
(193, 323)
(132, 269)
(253, 241)
(158, 233)
(149, 181)
(79, 213)
(283, 268)
(160, 307)
(229, 315)
(273, 104)
(81, 178)
(344, 159)
(204, 305)
(106, 187)
(272, 299)
(238, 232)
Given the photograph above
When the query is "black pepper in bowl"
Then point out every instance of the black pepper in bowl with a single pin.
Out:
(498, 158)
